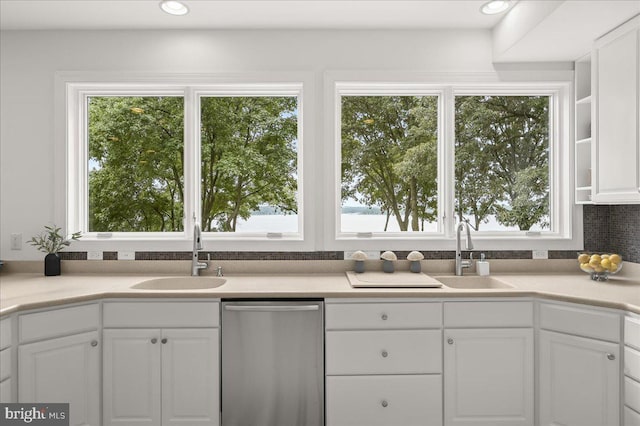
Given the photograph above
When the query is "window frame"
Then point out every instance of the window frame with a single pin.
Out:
(566, 215)
(72, 90)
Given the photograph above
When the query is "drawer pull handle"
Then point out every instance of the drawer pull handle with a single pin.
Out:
(611, 357)
(154, 340)
(385, 404)
(94, 343)
(450, 341)
(164, 340)
(384, 317)
(384, 354)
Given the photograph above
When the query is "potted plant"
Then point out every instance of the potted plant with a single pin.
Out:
(51, 241)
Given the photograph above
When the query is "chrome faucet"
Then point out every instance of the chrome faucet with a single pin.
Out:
(461, 264)
(196, 266)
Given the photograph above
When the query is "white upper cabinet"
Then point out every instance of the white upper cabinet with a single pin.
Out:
(616, 151)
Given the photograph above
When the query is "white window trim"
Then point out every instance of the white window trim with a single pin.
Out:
(568, 234)
(71, 181)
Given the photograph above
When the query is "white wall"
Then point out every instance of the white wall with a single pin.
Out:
(29, 61)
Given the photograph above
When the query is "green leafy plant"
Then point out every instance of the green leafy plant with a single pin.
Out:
(51, 240)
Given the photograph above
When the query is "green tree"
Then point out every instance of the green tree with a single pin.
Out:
(502, 159)
(136, 164)
(136, 158)
(389, 155)
(249, 158)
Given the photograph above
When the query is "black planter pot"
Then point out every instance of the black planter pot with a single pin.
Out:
(52, 264)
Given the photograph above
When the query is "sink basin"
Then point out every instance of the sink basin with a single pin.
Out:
(473, 282)
(180, 283)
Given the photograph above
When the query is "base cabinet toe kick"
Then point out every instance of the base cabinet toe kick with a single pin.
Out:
(400, 362)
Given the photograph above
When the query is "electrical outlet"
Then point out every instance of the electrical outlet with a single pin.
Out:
(540, 254)
(371, 255)
(16, 241)
(94, 255)
(126, 255)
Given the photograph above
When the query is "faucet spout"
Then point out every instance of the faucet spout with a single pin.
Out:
(196, 265)
(462, 264)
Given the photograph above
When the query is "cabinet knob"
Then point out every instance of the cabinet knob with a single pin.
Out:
(384, 317)
(384, 354)
(384, 403)
(164, 340)
(611, 357)
(450, 341)
(94, 343)
(154, 340)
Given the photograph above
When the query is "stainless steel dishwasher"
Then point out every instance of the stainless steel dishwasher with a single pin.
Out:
(272, 363)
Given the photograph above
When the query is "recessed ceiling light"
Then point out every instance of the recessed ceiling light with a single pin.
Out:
(174, 7)
(495, 6)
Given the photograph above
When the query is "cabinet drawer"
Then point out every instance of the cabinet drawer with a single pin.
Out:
(384, 400)
(580, 321)
(5, 333)
(632, 363)
(5, 363)
(383, 352)
(631, 418)
(58, 322)
(488, 314)
(161, 314)
(632, 393)
(632, 332)
(344, 316)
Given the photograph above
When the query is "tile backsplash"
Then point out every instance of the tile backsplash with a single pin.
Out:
(606, 229)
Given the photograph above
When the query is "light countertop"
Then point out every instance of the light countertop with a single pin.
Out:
(21, 291)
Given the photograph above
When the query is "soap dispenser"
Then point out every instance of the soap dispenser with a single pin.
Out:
(482, 266)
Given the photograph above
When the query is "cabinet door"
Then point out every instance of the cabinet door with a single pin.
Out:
(66, 369)
(617, 149)
(190, 377)
(579, 381)
(131, 375)
(488, 377)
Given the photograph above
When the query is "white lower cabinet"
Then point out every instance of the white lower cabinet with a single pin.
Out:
(579, 381)
(161, 377)
(65, 369)
(383, 363)
(391, 400)
(488, 377)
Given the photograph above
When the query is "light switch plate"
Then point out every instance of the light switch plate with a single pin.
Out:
(16, 241)
(126, 255)
(540, 254)
(94, 255)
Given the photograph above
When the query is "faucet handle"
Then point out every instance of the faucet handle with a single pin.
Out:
(208, 257)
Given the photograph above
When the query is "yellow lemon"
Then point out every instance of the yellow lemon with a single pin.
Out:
(605, 256)
(606, 263)
(615, 258)
(585, 267)
(613, 267)
(595, 258)
(599, 269)
(594, 263)
(583, 258)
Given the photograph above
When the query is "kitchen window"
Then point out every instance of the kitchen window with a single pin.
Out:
(149, 161)
(413, 159)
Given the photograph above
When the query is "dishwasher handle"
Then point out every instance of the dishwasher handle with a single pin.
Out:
(271, 308)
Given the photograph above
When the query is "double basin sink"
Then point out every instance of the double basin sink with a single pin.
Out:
(470, 282)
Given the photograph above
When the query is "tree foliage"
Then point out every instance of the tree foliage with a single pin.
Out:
(136, 173)
(249, 158)
(136, 158)
(389, 155)
(502, 159)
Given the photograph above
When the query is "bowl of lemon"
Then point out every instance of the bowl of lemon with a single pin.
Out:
(600, 266)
